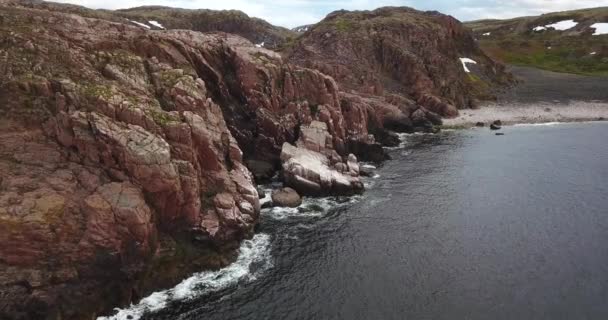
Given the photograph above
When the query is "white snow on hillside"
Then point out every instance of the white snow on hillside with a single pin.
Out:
(156, 24)
(593, 53)
(140, 24)
(600, 28)
(464, 62)
(487, 34)
(563, 25)
(260, 45)
(560, 26)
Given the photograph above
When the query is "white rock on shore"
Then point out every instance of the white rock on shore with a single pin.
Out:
(310, 173)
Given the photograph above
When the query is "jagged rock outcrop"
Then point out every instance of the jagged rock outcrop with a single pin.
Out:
(400, 51)
(313, 167)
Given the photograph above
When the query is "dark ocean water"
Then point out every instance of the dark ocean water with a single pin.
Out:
(459, 225)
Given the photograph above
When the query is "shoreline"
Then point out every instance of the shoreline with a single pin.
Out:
(544, 112)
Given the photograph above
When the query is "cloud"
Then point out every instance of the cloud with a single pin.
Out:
(292, 13)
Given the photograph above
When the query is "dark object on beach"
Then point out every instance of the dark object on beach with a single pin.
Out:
(495, 127)
(500, 134)
(497, 123)
(480, 124)
(601, 119)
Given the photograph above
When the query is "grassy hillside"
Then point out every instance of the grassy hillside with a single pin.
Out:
(524, 41)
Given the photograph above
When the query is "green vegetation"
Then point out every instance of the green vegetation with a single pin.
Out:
(97, 91)
(513, 41)
(480, 88)
(566, 55)
(162, 118)
(344, 25)
(314, 109)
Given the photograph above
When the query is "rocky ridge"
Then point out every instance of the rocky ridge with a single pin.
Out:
(405, 56)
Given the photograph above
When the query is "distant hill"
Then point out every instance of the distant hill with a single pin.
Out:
(570, 41)
(400, 50)
(237, 22)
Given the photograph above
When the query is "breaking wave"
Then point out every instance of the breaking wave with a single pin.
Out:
(311, 207)
(254, 258)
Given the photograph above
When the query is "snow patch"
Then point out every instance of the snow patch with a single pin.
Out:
(487, 34)
(464, 62)
(156, 24)
(140, 24)
(260, 45)
(560, 26)
(600, 28)
(593, 53)
(563, 25)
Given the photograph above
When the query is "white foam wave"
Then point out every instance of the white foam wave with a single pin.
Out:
(311, 207)
(368, 166)
(254, 252)
(538, 124)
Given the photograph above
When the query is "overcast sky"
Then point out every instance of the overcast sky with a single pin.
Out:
(292, 13)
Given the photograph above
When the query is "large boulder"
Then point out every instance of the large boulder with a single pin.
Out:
(286, 197)
(311, 173)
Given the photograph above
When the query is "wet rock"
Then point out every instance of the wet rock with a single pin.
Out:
(366, 171)
(286, 197)
(387, 138)
(495, 127)
(372, 152)
(311, 173)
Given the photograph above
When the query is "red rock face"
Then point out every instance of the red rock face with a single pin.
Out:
(103, 151)
(114, 137)
(398, 51)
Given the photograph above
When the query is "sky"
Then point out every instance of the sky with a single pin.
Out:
(292, 13)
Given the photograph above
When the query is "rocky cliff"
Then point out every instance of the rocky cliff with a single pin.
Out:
(123, 148)
(401, 51)
(129, 155)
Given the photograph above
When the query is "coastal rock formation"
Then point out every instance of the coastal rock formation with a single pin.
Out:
(313, 173)
(313, 167)
(392, 51)
(124, 151)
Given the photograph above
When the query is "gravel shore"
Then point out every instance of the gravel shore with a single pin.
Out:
(543, 96)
